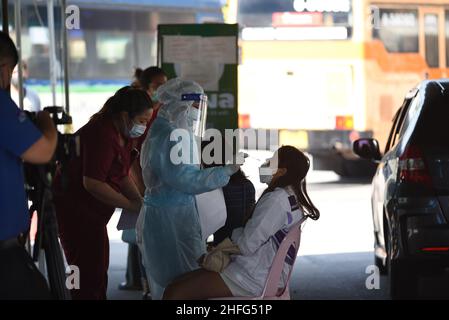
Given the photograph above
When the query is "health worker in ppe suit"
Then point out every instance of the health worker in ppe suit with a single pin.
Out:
(168, 228)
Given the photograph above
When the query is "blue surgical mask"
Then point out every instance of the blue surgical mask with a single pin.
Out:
(154, 97)
(137, 130)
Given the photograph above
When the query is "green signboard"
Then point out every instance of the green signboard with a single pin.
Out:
(207, 54)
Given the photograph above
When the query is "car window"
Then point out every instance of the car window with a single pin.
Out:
(390, 136)
(432, 130)
(413, 110)
(397, 125)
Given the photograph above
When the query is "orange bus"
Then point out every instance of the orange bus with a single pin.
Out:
(326, 72)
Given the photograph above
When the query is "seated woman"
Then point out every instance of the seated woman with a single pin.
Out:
(282, 204)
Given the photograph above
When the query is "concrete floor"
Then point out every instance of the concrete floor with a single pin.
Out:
(328, 276)
(117, 270)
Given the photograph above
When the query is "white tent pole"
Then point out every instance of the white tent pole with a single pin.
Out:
(52, 49)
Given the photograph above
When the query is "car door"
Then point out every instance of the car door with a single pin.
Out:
(386, 174)
(432, 135)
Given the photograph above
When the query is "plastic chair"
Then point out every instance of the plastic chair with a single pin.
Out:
(271, 290)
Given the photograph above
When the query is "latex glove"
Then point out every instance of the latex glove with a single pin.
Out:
(236, 163)
(232, 168)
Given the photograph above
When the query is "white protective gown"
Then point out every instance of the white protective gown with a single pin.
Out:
(168, 228)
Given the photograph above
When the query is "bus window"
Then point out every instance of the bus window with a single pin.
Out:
(114, 53)
(399, 30)
(111, 42)
(431, 40)
(77, 53)
(295, 13)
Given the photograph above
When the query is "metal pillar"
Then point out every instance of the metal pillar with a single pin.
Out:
(65, 46)
(52, 49)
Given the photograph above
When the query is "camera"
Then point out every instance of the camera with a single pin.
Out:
(67, 143)
(59, 116)
(38, 185)
(67, 148)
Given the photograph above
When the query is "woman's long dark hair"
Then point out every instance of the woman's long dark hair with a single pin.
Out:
(297, 165)
(127, 99)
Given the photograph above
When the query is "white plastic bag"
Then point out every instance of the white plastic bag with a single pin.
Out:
(212, 211)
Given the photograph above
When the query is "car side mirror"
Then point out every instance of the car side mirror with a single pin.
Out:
(367, 149)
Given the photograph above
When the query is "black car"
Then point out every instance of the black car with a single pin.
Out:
(410, 198)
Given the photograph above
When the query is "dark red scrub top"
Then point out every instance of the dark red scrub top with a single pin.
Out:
(101, 158)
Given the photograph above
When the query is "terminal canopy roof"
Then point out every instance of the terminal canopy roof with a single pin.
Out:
(203, 4)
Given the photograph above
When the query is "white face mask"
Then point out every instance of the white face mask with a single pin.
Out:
(137, 130)
(193, 114)
(266, 174)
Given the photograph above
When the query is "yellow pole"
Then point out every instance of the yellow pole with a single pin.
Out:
(230, 11)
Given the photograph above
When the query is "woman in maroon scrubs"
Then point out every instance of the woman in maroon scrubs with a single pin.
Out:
(97, 182)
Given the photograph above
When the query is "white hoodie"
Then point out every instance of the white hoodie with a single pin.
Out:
(274, 212)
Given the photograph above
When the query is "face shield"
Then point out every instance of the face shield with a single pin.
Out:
(197, 113)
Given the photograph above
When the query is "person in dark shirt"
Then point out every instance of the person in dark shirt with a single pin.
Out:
(150, 79)
(240, 198)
